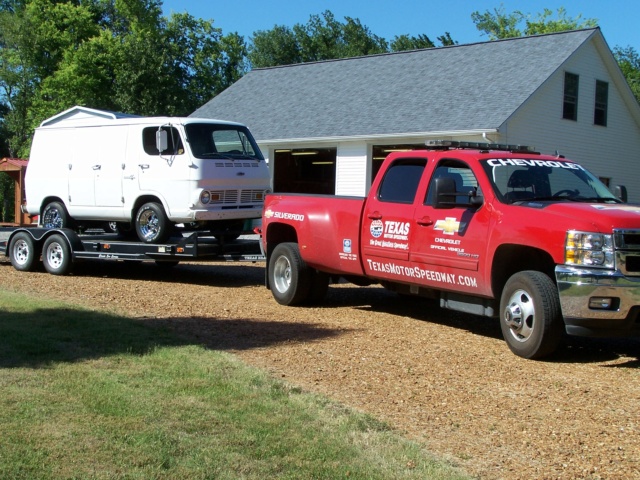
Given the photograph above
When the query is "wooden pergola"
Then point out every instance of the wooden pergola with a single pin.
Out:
(16, 169)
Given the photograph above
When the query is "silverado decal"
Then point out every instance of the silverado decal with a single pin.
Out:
(298, 217)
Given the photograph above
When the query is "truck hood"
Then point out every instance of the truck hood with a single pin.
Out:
(601, 217)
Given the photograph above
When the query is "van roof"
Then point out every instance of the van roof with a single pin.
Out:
(83, 116)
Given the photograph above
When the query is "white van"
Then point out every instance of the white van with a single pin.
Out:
(147, 174)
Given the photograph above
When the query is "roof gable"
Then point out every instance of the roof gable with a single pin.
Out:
(458, 88)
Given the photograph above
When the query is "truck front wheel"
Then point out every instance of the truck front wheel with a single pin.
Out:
(289, 276)
(531, 317)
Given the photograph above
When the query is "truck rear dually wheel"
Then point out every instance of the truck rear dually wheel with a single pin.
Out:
(289, 276)
(531, 317)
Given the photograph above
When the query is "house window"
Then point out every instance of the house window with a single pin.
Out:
(570, 104)
(602, 101)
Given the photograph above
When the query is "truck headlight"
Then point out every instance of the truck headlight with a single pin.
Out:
(205, 197)
(587, 249)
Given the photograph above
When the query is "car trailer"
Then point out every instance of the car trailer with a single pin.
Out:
(60, 248)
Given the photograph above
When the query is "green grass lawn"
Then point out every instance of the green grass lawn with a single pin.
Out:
(86, 394)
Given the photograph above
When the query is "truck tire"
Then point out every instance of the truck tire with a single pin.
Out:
(152, 224)
(56, 255)
(531, 320)
(289, 276)
(23, 252)
(55, 215)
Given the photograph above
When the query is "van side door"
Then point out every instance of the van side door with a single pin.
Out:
(108, 169)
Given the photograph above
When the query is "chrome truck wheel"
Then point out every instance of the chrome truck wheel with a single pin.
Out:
(531, 319)
(289, 276)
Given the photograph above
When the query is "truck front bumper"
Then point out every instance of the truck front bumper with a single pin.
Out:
(599, 303)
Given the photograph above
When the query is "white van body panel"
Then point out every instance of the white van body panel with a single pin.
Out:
(103, 165)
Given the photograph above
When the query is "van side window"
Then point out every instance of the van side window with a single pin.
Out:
(401, 181)
(175, 146)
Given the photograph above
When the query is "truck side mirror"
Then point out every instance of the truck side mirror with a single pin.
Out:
(620, 191)
(162, 142)
(445, 192)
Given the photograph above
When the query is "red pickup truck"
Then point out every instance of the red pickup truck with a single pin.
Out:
(499, 231)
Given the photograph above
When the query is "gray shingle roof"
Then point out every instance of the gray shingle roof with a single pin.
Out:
(466, 87)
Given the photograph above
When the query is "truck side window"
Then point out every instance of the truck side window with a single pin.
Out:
(464, 179)
(401, 181)
(149, 141)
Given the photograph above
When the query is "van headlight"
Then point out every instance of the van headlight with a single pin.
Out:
(205, 197)
(588, 249)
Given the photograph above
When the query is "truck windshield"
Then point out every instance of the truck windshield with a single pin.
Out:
(208, 140)
(522, 180)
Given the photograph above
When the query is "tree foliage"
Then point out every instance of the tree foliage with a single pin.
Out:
(499, 24)
(120, 55)
(325, 38)
(629, 61)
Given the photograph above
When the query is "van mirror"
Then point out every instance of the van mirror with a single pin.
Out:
(162, 141)
(620, 191)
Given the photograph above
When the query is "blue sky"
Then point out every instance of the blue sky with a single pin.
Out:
(618, 19)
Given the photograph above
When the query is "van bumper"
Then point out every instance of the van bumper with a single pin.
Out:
(227, 213)
(599, 303)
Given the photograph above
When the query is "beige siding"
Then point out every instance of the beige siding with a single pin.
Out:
(612, 151)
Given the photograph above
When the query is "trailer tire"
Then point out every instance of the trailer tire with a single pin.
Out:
(531, 317)
(55, 215)
(23, 252)
(289, 276)
(56, 255)
(152, 224)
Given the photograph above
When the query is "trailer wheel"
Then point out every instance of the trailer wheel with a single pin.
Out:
(531, 322)
(152, 224)
(55, 215)
(56, 255)
(23, 252)
(289, 276)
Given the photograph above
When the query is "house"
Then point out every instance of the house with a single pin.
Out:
(326, 126)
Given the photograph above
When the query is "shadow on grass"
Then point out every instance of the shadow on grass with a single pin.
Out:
(43, 337)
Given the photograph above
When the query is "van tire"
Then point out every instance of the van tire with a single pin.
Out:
(152, 224)
(55, 215)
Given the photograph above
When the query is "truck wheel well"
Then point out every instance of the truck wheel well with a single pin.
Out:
(510, 259)
(277, 233)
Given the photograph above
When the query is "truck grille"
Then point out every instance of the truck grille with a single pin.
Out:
(627, 248)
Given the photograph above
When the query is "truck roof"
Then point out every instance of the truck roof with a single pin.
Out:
(86, 117)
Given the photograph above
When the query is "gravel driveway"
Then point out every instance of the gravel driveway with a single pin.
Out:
(445, 379)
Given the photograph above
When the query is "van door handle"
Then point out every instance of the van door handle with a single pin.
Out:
(143, 166)
(130, 177)
(425, 221)
(374, 215)
(97, 167)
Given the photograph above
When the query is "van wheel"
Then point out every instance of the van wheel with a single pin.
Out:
(56, 255)
(531, 322)
(23, 253)
(289, 276)
(152, 224)
(55, 215)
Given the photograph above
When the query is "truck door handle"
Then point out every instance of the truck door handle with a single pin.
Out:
(425, 221)
(97, 167)
(143, 166)
(374, 215)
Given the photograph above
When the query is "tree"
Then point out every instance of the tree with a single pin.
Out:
(629, 62)
(325, 38)
(500, 25)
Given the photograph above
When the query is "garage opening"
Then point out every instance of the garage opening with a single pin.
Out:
(310, 170)
(380, 152)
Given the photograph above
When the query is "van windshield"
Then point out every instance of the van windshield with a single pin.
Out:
(208, 140)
